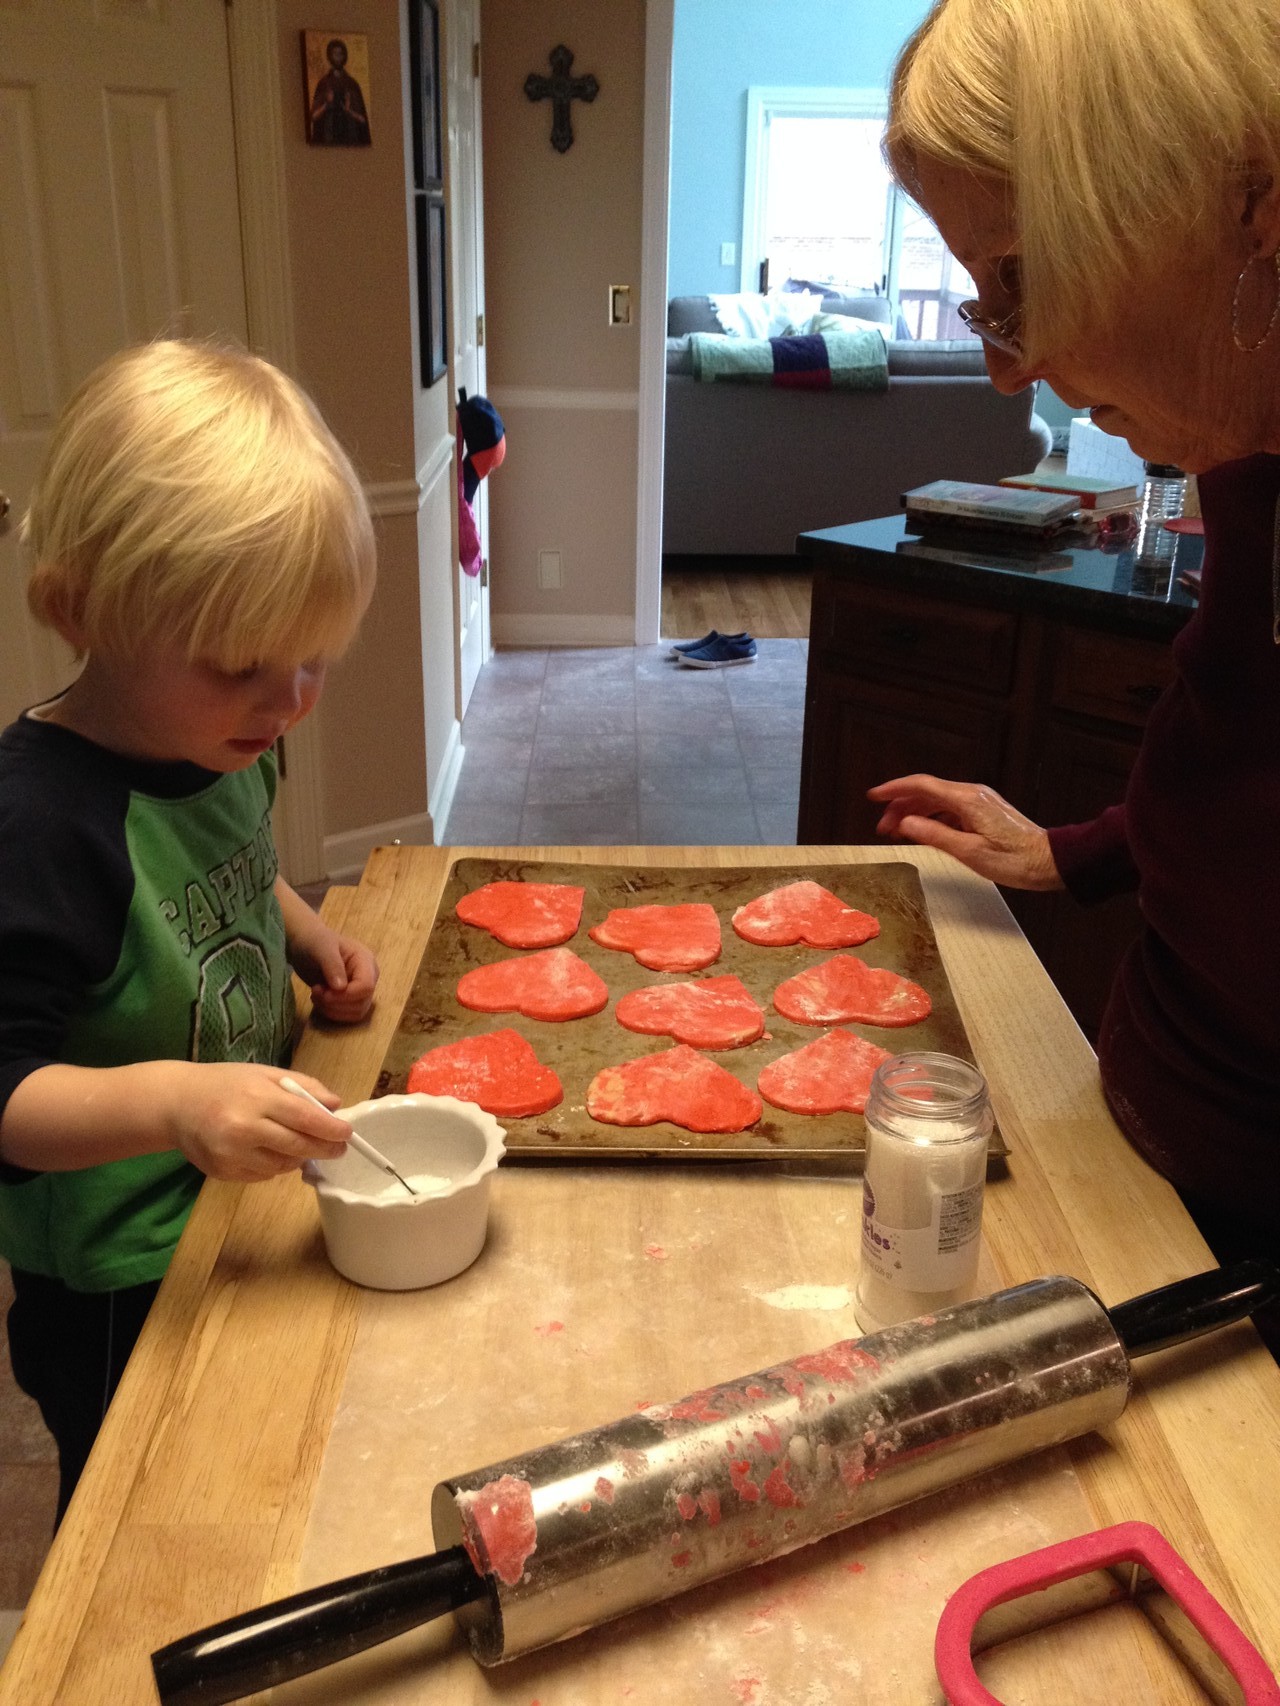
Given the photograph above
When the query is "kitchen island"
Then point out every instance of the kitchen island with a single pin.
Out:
(1031, 668)
(278, 1427)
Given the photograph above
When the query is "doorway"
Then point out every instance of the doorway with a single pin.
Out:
(748, 88)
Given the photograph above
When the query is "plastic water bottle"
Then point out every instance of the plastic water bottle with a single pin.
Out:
(928, 1122)
(1162, 498)
(1164, 492)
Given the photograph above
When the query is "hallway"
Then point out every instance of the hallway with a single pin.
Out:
(620, 744)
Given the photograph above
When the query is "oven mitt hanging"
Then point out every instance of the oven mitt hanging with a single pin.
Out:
(482, 445)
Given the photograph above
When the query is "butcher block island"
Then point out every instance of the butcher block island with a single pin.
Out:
(278, 1428)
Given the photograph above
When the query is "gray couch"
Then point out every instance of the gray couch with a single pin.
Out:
(748, 466)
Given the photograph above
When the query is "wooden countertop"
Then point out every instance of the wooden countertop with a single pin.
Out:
(199, 1495)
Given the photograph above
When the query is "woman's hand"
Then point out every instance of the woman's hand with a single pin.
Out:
(971, 822)
(236, 1122)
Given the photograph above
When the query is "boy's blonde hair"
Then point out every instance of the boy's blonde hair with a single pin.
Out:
(1120, 126)
(192, 492)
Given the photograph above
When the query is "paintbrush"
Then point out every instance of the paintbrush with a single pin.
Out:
(358, 1143)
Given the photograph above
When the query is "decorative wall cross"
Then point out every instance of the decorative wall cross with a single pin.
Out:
(560, 88)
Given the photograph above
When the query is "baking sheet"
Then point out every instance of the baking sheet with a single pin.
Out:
(577, 1049)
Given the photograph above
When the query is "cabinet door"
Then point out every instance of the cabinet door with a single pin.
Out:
(858, 733)
(1081, 773)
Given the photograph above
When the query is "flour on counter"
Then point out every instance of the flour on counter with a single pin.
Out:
(808, 1297)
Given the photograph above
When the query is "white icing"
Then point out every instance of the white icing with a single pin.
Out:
(424, 1184)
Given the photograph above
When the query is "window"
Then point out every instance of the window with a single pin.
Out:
(819, 204)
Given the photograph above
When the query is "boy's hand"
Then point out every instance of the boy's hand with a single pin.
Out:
(342, 972)
(236, 1122)
(343, 975)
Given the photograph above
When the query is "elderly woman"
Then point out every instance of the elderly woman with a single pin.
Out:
(1110, 176)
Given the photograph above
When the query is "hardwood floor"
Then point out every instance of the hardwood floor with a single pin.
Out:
(768, 597)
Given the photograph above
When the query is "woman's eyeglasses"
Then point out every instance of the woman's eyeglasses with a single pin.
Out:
(1004, 335)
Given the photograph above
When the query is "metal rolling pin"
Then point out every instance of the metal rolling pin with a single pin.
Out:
(550, 1543)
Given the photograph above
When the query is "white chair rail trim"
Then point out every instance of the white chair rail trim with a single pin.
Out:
(406, 497)
(534, 397)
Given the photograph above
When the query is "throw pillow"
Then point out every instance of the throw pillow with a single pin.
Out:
(824, 322)
(780, 314)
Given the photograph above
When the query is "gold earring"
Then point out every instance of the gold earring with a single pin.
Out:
(1236, 339)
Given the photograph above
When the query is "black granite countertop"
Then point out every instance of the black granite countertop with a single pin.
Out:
(1066, 577)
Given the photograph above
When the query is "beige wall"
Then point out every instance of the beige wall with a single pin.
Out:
(559, 230)
(384, 723)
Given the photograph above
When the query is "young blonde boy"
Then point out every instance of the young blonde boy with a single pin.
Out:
(201, 540)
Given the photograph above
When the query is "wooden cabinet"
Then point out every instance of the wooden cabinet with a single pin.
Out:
(1046, 704)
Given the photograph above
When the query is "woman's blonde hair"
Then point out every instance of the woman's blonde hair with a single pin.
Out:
(192, 492)
(1119, 125)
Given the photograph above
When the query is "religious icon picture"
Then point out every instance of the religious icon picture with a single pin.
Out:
(335, 73)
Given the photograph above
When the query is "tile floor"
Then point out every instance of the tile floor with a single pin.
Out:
(620, 744)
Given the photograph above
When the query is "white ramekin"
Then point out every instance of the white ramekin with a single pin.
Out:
(398, 1243)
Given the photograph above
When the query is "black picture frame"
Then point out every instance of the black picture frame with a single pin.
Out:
(424, 70)
(433, 307)
(428, 188)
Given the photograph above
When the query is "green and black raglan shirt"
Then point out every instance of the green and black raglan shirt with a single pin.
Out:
(138, 921)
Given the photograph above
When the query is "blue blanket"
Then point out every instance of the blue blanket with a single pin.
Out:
(818, 361)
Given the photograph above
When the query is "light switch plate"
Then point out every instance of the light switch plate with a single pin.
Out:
(728, 254)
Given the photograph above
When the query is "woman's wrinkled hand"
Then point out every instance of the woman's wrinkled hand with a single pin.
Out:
(973, 823)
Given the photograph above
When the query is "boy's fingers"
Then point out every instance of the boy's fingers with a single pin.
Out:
(320, 1091)
(331, 964)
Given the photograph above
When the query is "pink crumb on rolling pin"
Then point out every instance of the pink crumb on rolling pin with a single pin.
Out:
(499, 1529)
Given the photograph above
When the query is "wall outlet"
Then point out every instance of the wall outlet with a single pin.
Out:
(728, 254)
(550, 569)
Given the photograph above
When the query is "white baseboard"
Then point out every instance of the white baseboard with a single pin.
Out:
(441, 799)
(345, 854)
(563, 630)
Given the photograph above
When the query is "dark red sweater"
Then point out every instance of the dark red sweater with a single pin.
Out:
(1190, 1045)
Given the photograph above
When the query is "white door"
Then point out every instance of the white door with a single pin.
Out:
(119, 221)
(466, 245)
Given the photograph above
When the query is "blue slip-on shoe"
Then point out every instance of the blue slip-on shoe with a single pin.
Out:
(720, 653)
(681, 648)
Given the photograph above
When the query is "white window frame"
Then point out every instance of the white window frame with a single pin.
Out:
(763, 106)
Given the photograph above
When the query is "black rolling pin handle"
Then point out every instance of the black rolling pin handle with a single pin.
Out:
(1190, 1307)
(293, 1636)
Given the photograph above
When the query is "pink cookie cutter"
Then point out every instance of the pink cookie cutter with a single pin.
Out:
(1133, 1543)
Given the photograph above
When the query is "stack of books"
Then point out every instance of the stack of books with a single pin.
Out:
(1093, 494)
(992, 509)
